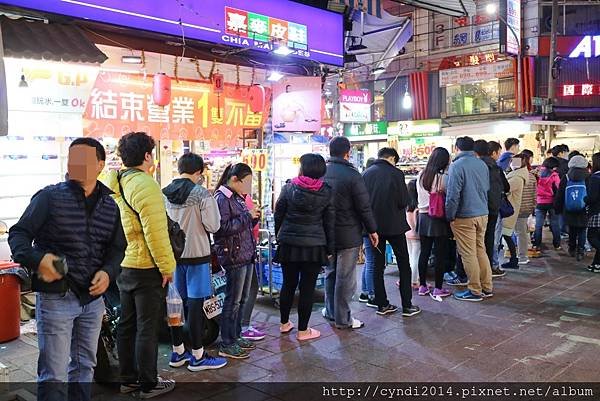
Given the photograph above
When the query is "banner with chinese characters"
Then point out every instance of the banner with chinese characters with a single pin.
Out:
(483, 72)
(122, 103)
(297, 104)
(580, 90)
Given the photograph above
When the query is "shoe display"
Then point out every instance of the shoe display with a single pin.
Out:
(386, 310)
(207, 362)
(233, 351)
(413, 310)
(178, 360)
(467, 296)
(253, 334)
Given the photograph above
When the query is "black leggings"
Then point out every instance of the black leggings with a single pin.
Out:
(441, 252)
(511, 246)
(594, 238)
(307, 274)
(196, 323)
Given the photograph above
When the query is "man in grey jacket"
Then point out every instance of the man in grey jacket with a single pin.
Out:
(195, 209)
(467, 211)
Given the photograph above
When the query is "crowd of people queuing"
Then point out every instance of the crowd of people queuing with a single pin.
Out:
(457, 212)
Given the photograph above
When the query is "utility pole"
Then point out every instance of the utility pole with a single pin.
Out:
(551, 73)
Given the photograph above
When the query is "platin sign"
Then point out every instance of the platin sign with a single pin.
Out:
(588, 47)
(355, 106)
(297, 104)
(315, 34)
(121, 103)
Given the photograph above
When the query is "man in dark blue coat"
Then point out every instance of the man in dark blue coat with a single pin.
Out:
(75, 224)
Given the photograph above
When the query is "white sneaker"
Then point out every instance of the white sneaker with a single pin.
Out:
(523, 261)
(162, 387)
(324, 313)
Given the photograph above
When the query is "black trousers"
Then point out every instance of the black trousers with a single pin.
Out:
(594, 238)
(490, 234)
(196, 320)
(440, 251)
(306, 275)
(398, 244)
(142, 308)
(511, 246)
(576, 239)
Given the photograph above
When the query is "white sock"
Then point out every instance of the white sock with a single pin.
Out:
(180, 349)
(198, 353)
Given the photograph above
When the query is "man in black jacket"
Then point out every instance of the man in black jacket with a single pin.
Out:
(79, 222)
(489, 153)
(352, 215)
(389, 197)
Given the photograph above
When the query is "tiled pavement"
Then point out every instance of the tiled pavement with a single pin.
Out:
(543, 324)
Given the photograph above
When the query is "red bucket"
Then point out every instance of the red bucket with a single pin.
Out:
(10, 307)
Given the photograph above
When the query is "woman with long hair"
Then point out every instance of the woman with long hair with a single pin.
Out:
(593, 201)
(305, 228)
(235, 248)
(433, 232)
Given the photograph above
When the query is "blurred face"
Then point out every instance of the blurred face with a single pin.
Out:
(495, 155)
(83, 165)
(514, 149)
(241, 186)
(516, 163)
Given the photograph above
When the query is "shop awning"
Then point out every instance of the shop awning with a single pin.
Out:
(40, 41)
(455, 8)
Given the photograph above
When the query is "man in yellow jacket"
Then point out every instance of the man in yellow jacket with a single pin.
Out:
(147, 268)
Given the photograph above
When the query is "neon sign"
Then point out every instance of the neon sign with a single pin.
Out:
(581, 90)
(588, 45)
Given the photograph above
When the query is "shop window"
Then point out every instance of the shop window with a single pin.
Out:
(378, 101)
(493, 96)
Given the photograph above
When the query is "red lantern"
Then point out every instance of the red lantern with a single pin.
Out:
(161, 89)
(218, 83)
(256, 95)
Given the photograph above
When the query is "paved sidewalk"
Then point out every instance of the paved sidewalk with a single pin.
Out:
(543, 324)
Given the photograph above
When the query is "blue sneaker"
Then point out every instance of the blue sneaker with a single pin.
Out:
(207, 362)
(450, 276)
(467, 296)
(178, 360)
(457, 281)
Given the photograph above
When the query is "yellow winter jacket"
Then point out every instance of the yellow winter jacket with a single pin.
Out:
(148, 243)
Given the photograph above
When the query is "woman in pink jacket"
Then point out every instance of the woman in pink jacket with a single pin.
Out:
(547, 186)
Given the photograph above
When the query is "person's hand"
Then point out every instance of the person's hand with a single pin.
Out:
(255, 213)
(46, 270)
(166, 280)
(374, 239)
(100, 283)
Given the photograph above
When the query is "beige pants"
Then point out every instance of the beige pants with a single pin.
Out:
(470, 239)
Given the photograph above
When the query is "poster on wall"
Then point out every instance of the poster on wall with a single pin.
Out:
(120, 103)
(297, 104)
(355, 106)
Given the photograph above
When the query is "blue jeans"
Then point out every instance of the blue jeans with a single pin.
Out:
(367, 274)
(237, 289)
(540, 217)
(340, 285)
(497, 241)
(68, 340)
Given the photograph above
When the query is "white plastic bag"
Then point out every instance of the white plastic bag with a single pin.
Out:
(175, 312)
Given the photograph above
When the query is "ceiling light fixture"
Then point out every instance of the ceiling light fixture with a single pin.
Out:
(275, 76)
(131, 59)
(491, 8)
(406, 100)
(283, 50)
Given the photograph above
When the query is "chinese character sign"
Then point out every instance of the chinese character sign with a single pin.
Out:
(581, 90)
(257, 159)
(121, 103)
(297, 104)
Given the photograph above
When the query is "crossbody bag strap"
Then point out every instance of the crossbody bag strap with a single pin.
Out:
(119, 176)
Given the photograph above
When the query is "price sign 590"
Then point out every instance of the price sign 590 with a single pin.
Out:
(257, 159)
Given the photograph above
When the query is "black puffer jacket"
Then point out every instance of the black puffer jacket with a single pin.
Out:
(305, 218)
(593, 199)
(498, 185)
(389, 197)
(575, 219)
(352, 206)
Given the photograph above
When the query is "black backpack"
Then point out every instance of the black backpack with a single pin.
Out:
(176, 234)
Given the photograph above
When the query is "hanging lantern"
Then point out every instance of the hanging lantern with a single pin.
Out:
(218, 82)
(161, 89)
(256, 95)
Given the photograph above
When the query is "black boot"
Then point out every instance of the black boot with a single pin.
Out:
(580, 255)
(513, 264)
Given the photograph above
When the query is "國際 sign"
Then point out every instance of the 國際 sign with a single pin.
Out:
(355, 106)
(312, 33)
(121, 103)
(587, 89)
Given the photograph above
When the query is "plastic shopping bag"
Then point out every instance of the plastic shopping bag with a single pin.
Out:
(174, 307)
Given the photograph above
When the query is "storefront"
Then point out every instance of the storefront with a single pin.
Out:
(366, 140)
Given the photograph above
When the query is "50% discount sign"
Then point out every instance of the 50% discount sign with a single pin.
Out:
(257, 159)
